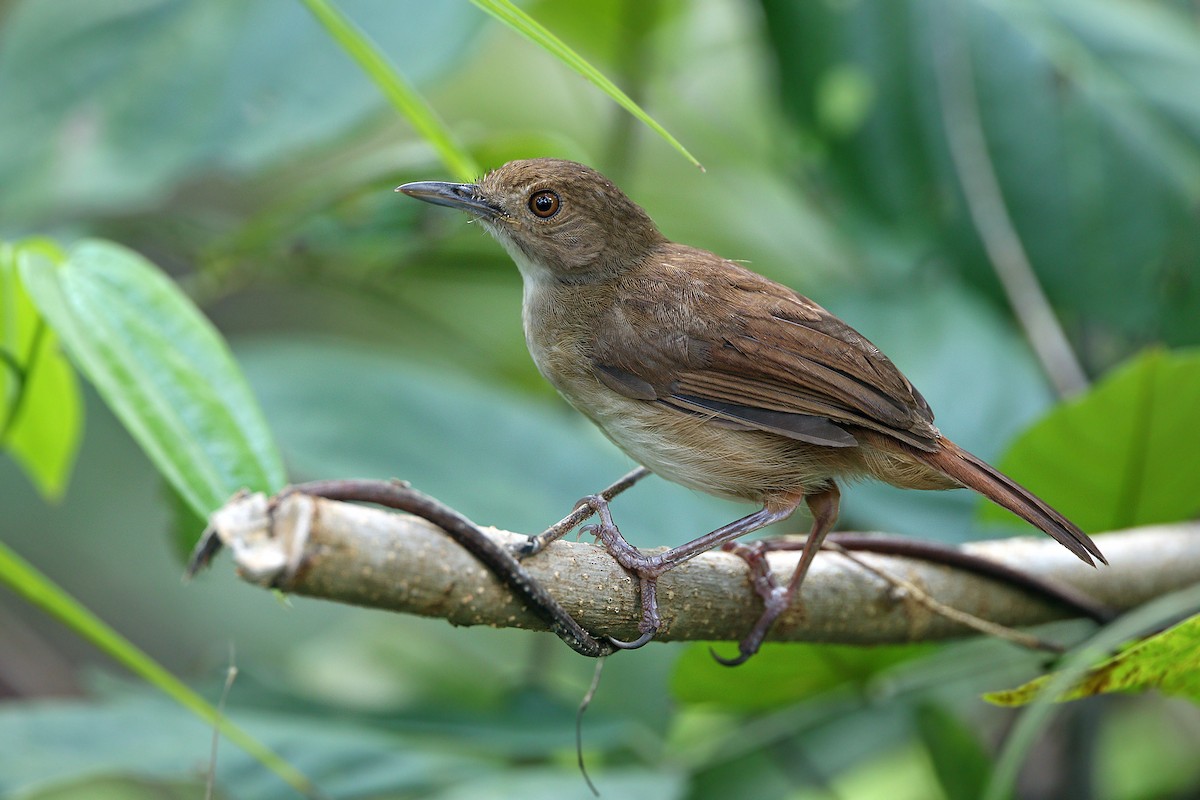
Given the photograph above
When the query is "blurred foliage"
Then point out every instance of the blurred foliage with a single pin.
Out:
(240, 148)
(1091, 113)
(772, 680)
(958, 757)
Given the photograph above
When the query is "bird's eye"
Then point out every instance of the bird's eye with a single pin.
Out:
(544, 204)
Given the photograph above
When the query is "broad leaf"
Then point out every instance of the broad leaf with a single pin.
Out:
(147, 736)
(348, 756)
(41, 411)
(161, 367)
(1124, 454)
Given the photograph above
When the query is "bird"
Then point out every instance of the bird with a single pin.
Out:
(711, 375)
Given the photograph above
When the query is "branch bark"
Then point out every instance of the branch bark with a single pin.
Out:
(369, 557)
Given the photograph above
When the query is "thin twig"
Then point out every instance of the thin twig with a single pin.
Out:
(937, 553)
(230, 677)
(583, 706)
(911, 590)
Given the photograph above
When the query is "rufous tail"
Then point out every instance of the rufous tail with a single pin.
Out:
(977, 474)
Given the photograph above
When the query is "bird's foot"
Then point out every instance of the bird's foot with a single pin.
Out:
(646, 568)
(583, 509)
(776, 598)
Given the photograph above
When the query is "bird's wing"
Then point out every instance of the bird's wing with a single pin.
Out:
(707, 336)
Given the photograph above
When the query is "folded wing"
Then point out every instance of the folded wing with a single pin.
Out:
(750, 353)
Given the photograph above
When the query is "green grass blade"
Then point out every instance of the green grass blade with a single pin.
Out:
(39, 590)
(528, 27)
(403, 96)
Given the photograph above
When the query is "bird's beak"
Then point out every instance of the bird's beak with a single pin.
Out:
(463, 196)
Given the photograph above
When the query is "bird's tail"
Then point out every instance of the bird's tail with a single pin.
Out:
(977, 474)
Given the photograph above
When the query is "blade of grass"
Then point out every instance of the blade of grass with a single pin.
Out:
(402, 95)
(39, 590)
(531, 29)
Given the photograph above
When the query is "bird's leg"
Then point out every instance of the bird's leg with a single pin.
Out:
(776, 598)
(649, 568)
(583, 509)
(630, 558)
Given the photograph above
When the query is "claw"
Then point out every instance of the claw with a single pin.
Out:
(641, 641)
(593, 501)
(738, 660)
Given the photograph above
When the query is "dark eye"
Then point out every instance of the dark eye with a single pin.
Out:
(544, 204)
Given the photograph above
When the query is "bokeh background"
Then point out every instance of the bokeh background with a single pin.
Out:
(240, 149)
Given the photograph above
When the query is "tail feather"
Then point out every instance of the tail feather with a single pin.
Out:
(977, 474)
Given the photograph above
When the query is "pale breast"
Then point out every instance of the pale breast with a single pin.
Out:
(701, 454)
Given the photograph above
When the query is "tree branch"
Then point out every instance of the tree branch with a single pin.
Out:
(369, 557)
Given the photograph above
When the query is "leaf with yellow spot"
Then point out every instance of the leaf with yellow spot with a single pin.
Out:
(1168, 661)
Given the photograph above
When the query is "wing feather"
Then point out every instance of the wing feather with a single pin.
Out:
(748, 350)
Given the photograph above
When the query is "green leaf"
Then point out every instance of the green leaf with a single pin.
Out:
(162, 368)
(134, 733)
(41, 411)
(1168, 661)
(528, 27)
(1031, 725)
(1116, 141)
(1125, 453)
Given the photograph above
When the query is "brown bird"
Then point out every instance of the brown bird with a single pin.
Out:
(711, 375)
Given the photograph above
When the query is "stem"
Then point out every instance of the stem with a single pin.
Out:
(985, 203)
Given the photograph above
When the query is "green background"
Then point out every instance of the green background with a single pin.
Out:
(237, 147)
